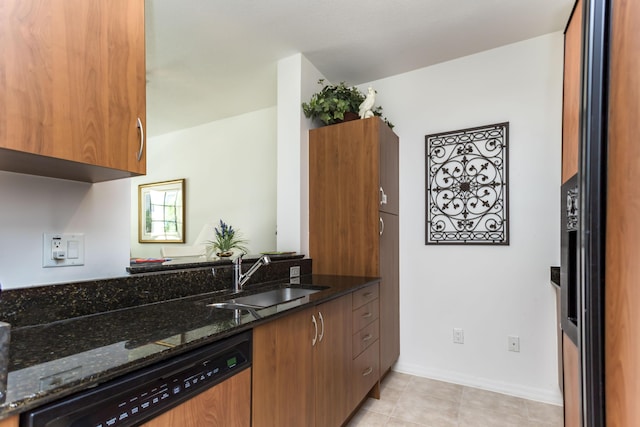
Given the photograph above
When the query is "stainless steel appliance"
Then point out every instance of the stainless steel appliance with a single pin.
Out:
(569, 270)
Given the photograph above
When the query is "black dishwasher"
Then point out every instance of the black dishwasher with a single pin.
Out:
(144, 394)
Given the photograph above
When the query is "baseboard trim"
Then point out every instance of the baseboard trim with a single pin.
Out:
(530, 393)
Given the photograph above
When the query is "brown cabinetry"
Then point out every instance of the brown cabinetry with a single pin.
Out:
(73, 88)
(572, 89)
(302, 367)
(332, 364)
(227, 404)
(10, 422)
(571, 382)
(353, 213)
(366, 344)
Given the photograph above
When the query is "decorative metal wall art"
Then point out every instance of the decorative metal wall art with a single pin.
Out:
(466, 186)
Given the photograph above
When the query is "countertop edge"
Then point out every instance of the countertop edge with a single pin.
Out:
(9, 409)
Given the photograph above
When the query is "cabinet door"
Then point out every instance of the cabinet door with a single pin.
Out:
(571, 362)
(283, 372)
(389, 170)
(226, 404)
(389, 292)
(332, 363)
(343, 198)
(572, 93)
(74, 80)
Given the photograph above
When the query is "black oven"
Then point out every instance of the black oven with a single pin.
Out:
(569, 270)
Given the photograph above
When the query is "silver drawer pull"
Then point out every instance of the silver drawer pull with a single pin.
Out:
(367, 315)
(368, 371)
(322, 330)
(367, 337)
(139, 126)
(315, 325)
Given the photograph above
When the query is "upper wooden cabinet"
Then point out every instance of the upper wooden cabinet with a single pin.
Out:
(572, 93)
(389, 184)
(72, 84)
(353, 169)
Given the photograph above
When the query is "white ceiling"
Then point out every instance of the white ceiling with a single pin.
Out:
(211, 59)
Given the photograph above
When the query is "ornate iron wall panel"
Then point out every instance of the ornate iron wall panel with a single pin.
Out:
(467, 186)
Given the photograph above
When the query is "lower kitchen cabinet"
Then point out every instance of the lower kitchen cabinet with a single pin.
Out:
(283, 372)
(332, 363)
(389, 292)
(571, 389)
(366, 351)
(302, 367)
(227, 404)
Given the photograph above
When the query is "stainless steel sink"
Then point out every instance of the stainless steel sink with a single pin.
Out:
(268, 298)
(233, 306)
(274, 297)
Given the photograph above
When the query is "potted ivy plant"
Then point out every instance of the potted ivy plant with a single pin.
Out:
(226, 239)
(336, 103)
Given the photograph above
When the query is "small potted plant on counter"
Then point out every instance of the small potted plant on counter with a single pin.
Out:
(226, 239)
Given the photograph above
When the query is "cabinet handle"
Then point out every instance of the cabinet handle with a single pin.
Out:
(381, 226)
(367, 315)
(315, 325)
(367, 295)
(322, 323)
(367, 337)
(368, 371)
(383, 197)
(141, 138)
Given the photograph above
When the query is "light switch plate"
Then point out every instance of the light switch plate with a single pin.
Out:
(62, 250)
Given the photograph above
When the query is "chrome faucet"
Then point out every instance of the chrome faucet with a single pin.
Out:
(240, 279)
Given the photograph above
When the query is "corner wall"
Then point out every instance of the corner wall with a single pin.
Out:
(489, 291)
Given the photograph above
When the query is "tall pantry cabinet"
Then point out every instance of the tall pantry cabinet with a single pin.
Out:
(353, 213)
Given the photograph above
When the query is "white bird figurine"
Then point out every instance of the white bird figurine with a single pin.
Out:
(365, 108)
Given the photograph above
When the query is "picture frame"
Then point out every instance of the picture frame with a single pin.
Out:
(161, 207)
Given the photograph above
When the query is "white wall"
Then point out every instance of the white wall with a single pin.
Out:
(230, 171)
(33, 205)
(489, 291)
(297, 81)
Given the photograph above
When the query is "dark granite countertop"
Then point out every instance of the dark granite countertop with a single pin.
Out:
(196, 262)
(50, 360)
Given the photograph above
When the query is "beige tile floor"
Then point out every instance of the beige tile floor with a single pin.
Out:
(410, 401)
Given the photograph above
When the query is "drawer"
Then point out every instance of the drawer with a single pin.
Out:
(365, 315)
(366, 372)
(365, 295)
(365, 337)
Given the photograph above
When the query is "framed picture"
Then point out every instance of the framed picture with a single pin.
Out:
(161, 212)
(467, 186)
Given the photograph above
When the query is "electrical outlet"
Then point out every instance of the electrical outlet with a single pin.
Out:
(62, 250)
(294, 271)
(458, 336)
(514, 343)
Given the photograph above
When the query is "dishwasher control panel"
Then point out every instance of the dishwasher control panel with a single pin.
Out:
(147, 393)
